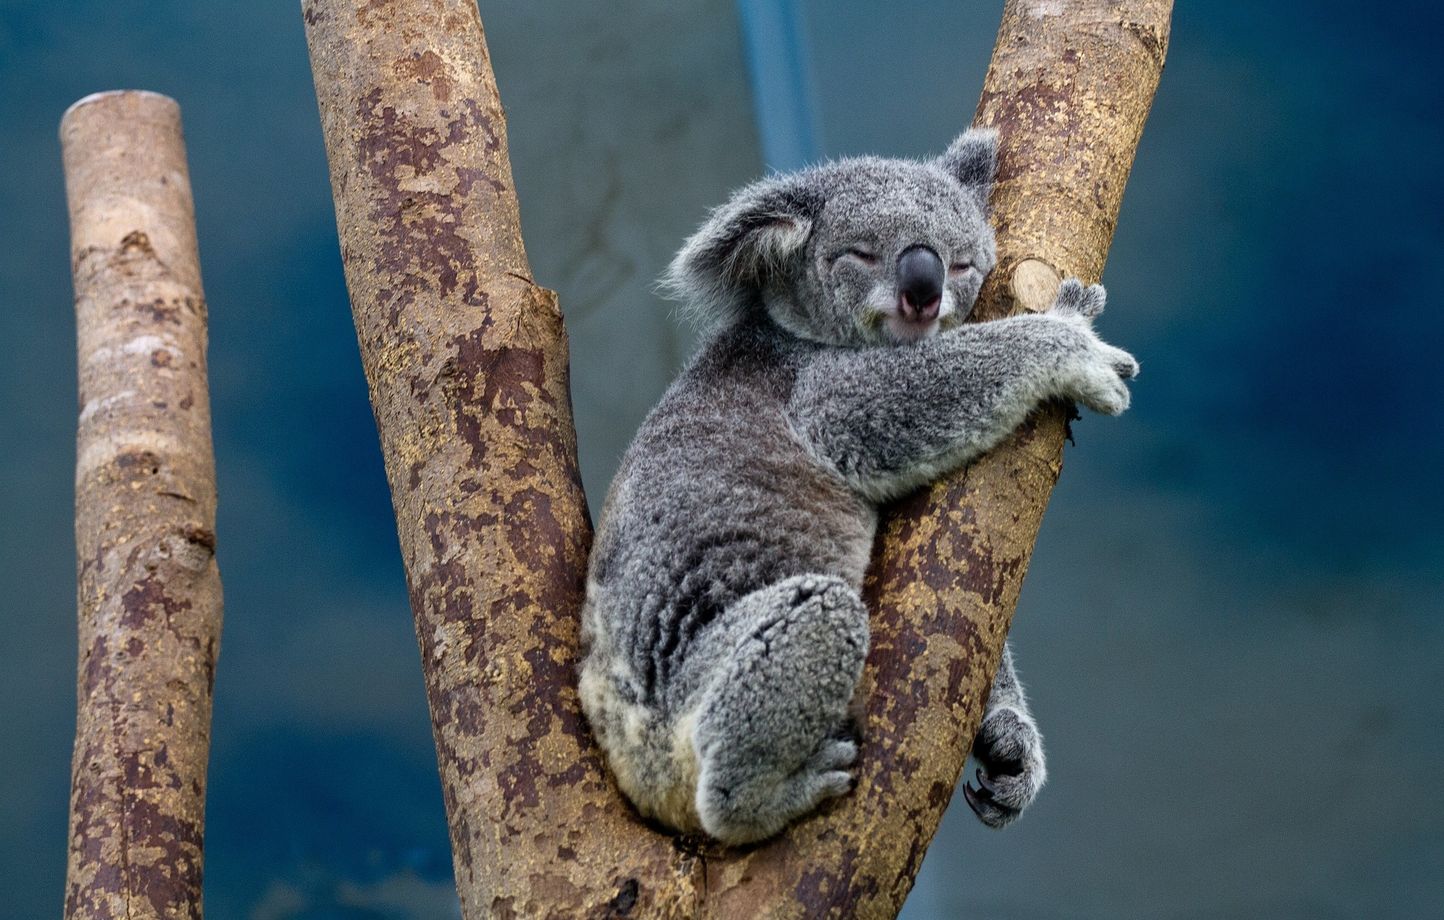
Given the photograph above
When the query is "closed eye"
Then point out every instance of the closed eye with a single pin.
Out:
(959, 268)
(865, 256)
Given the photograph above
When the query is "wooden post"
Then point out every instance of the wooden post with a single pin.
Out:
(467, 364)
(145, 501)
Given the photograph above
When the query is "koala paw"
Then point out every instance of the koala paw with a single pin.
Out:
(1074, 299)
(1123, 364)
(1009, 751)
(828, 771)
(1098, 374)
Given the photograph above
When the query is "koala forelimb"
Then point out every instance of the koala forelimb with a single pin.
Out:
(847, 403)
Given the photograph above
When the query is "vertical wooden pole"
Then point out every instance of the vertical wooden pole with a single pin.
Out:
(145, 501)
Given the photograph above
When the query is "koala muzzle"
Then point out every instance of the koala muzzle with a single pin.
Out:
(920, 276)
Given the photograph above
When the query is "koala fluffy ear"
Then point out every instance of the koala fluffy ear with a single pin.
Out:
(720, 269)
(972, 159)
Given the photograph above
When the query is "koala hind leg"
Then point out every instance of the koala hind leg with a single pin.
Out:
(771, 729)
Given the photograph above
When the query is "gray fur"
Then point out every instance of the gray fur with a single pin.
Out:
(723, 628)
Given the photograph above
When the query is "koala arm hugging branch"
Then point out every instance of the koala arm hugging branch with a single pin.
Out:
(850, 408)
(466, 359)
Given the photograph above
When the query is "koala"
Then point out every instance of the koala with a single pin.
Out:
(723, 630)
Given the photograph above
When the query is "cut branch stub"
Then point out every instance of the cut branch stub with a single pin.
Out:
(145, 504)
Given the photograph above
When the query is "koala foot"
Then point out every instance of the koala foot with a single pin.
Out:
(755, 808)
(1009, 751)
(770, 733)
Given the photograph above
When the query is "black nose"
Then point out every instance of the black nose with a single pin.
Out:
(919, 283)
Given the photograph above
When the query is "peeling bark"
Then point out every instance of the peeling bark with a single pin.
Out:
(145, 501)
(466, 360)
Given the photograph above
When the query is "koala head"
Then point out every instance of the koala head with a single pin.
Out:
(858, 252)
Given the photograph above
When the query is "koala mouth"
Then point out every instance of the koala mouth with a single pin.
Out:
(903, 329)
(887, 321)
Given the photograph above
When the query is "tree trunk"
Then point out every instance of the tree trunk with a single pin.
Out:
(145, 502)
(467, 365)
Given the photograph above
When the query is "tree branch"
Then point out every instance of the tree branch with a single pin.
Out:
(145, 503)
(466, 361)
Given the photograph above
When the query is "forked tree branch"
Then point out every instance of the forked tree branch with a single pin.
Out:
(145, 512)
(466, 359)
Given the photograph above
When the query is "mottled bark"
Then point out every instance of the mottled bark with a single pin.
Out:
(466, 361)
(145, 503)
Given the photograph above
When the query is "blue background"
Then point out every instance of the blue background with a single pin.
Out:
(1233, 628)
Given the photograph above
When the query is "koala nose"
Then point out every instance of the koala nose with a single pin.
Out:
(919, 283)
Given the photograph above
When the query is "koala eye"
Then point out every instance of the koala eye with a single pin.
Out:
(959, 268)
(865, 256)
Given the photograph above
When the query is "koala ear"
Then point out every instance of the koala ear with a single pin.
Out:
(723, 265)
(972, 159)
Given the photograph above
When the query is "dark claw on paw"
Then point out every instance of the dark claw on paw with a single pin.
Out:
(973, 800)
(983, 782)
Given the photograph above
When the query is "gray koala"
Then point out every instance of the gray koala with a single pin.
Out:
(723, 629)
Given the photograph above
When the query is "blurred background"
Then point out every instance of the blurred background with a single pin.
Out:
(1233, 630)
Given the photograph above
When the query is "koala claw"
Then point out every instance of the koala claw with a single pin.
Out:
(984, 784)
(1011, 772)
(984, 804)
(974, 799)
(1000, 800)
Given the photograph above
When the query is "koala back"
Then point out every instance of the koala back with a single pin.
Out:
(716, 497)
